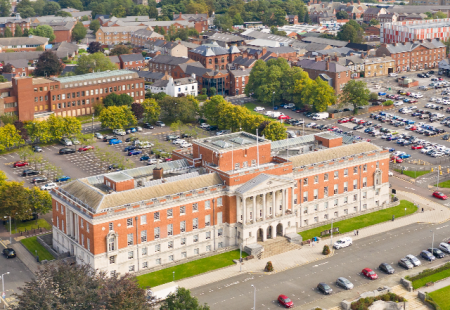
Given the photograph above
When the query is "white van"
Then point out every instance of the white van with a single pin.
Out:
(342, 243)
(321, 115)
(144, 145)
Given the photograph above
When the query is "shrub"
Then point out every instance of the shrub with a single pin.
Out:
(269, 267)
(428, 272)
(202, 97)
(326, 250)
(365, 303)
(388, 103)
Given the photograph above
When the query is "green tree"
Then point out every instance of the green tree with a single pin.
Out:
(118, 100)
(152, 12)
(355, 93)
(182, 299)
(43, 31)
(374, 22)
(38, 131)
(224, 22)
(184, 109)
(48, 64)
(25, 153)
(119, 11)
(79, 32)
(274, 131)
(56, 127)
(63, 14)
(95, 47)
(71, 126)
(373, 96)
(50, 8)
(5, 8)
(38, 7)
(117, 117)
(7, 33)
(237, 19)
(9, 137)
(18, 32)
(342, 15)
(40, 201)
(25, 8)
(8, 118)
(3, 79)
(447, 45)
(15, 201)
(93, 63)
(120, 50)
(152, 110)
(348, 33)
(75, 4)
(95, 25)
(319, 95)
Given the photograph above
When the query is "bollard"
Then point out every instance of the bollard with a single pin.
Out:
(431, 169)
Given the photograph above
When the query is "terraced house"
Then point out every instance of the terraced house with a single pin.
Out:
(222, 192)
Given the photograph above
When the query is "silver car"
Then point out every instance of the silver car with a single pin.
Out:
(414, 260)
(344, 283)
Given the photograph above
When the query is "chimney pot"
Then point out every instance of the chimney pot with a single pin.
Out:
(157, 173)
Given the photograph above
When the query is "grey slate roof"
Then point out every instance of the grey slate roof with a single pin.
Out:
(160, 83)
(65, 47)
(114, 59)
(132, 57)
(189, 45)
(241, 61)
(169, 60)
(321, 65)
(260, 179)
(19, 63)
(409, 46)
(310, 47)
(244, 72)
(325, 41)
(34, 40)
(225, 37)
(150, 75)
(194, 67)
(213, 50)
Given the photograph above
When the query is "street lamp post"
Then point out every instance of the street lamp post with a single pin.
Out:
(92, 124)
(432, 242)
(3, 288)
(254, 297)
(10, 237)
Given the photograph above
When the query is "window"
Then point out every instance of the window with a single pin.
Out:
(365, 168)
(195, 238)
(156, 232)
(182, 210)
(170, 230)
(208, 248)
(207, 204)
(112, 259)
(364, 206)
(316, 194)
(219, 202)
(355, 184)
(195, 223)
(169, 213)
(355, 197)
(130, 254)
(170, 258)
(336, 202)
(325, 205)
(183, 254)
(364, 182)
(143, 219)
(220, 232)
(305, 196)
(129, 222)
(156, 216)
(144, 265)
(158, 248)
(112, 273)
(364, 195)
(316, 219)
(130, 239)
(183, 226)
(305, 181)
(253, 162)
(316, 179)
(208, 235)
(377, 191)
(195, 207)
(131, 268)
(183, 241)
(345, 187)
(170, 244)
(336, 174)
(158, 261)
(196, 251)
(111, 244)
(81, 223)
(144, 251)
(345, 199)
(144, 236)
(355, 170)
(207, 220)
(325, 177)
(336, 189)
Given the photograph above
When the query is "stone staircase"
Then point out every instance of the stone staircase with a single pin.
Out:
(276, 246)
(414, 303)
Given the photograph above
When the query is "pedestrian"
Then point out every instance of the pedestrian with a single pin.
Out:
(422, 210)
(354, 232)
(357, 232)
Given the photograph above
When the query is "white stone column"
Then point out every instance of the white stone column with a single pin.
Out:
(263, 207)
(274, 208)
(244, 211)
(238, 209)
(292, 199)
(283, 201)
(254, 209)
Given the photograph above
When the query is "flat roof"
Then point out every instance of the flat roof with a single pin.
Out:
(5, 85)
(97, 76)
(231, 141)
(37, 81)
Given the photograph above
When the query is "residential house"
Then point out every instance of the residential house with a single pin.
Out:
(165, 63)
(18, 44)
(19, 67)
(132, 61)
(143, 37)
(115, 60)
(12, 22)
(161, 47)
(152, 77)
(292, 19)
(181, 87)
(117, 34)
(77, 14)
(373, 13)
(200, 21)
(238, 80)
(213, 56)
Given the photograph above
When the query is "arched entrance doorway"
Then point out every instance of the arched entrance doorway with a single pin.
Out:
(260, 235)
(279, 229)
(269, 232)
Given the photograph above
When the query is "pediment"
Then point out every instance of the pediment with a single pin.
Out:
(264, 182)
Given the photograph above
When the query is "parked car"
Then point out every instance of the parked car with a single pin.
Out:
(9, 253)
(28, 172)
(48, 186)
(369, 273)
(134, 152)
(98, 135)
(344, 283)
(445, 247)
(259, 109)
(62, 178)
(405, 263)
(66, 150)
(40, 179)
(160, 124)
(436, 252)
(36, 148)
(440, 195)
(324, 288)
(285, 301)
(114, 141)
(414, 260)
(66, 141)
(386, 268)
(85, 148)
(20, 164)
(427, 255)
(148, 126)
(129, 148)
(342, 243)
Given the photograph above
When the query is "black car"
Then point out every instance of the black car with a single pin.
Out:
(430, 72)
(386, 268)
(420, 75)
(324, 288)
(437, 253)
(346, 110)
(107, 138)
(27, 172)
(39, 179)
(130, 139)
(113, 167)
(66, 150)
(186, 135)
(446, 137)
(9, 253)
(129, 148)
(36, 148)
(212, 128)
(358, 127)
(148, 126)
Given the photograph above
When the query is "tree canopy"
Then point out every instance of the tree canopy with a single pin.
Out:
(79, 32)
(355, 93)
(93, 63)
(352, 32)
(95, 47)
(182, 300)
(152, 110)
(184, 109)
(117, 117)
(48, 64)
(114, 99)
(43, 31)
(120, 50)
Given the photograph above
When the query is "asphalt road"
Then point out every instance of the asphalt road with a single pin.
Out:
(300, 283)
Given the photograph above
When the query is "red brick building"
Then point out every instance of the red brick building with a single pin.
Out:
(220, 193)
(214, 56)
(165, 63)
(31, 98)
(22, 44)
(132, 61)
(200, 20)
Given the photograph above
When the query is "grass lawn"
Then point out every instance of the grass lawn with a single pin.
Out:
(431, 278)
(22, 226)
(413, 174)
(189, 269)
(364, 220)
(84, 119)
(445, 184)
(32, 245)
(441, 297)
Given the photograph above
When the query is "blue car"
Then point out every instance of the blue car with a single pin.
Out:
(132, 129)
(392, 138)
(134, 152)
(406, 100)
(129, 148)
(63, 178)
(404, 156)
(145, 157)
(114, 141)
(391, 150)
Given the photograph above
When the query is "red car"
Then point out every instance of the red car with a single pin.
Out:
(369, 273)
(285, 301)
(283, 117)
(20, 164)
(408, 93)
(413, 128)
(416, 147)
(412, 101)
(440, 195)
(167, 159)
(343, 120)
(396, 159)
(85, 148)
(351, 119)
(360, 122)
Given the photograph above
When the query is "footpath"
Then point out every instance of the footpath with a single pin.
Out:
(434, 213)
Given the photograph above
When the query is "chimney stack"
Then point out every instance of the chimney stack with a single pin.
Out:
(157, 173)
(317, 58)
(328, 64)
